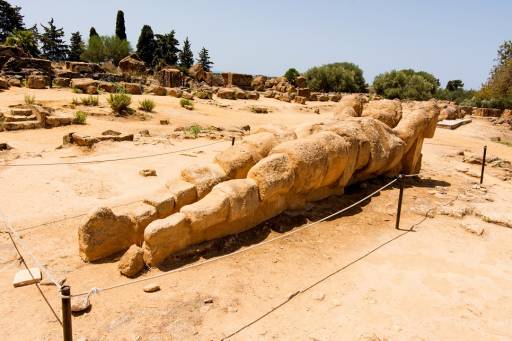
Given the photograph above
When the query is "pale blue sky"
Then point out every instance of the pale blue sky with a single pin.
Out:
(451, 39)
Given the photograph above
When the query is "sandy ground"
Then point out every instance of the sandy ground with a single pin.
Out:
(358, 278)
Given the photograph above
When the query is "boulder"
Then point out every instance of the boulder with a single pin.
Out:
(300, 82)
(487, 112)
(37, 82)
(239, 80)
(175, 92)
(83, 83)
(157, 90)
(132, 88)
(226, 93)
(356, 102)
(104, 234)
(450, 112)
(132, 262)
(170, 77)
(4, 84)
(304, 92)
(8, 52)
(29, 65)
(253, 95)
(274, 175)
(84, 68)
(300, 99)
(204, 177)
(384, 110)
(14, 82)
(258, 83)
(107, 86)
(132, 65)
(198, 73)
(62, 82)
(334, 97)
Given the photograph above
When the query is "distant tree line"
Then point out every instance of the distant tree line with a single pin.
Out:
(156, 50)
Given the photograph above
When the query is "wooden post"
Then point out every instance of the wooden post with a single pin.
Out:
(65, 292)
(401, 179)
(483, 165)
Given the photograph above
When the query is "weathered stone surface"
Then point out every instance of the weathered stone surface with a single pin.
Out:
(184, 192)
(27, 277)
(132, 262)
(132, 65)
(258, 83)
(105, 234)
(4, 84)
(170, 77)
(84, 68)
(163, 202)
(239, 80)
(204, 177)
(157, 90)
(37, 82)
(237, 160)
(61, 82)
(300, 82)
(384, 110)
(274, 175)
(226, 93)
(151, 288)
(83, 83)
(132, 88)
(175, 92)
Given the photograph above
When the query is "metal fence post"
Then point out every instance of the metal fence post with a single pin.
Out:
(401, 179)
(65, 292)
(483, 165)
(233, 141)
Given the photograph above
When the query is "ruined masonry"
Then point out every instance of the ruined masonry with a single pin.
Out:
(270, 171)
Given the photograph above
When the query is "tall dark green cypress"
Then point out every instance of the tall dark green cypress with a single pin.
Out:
(10, 19)
(76, 47)
(204, 59)
(93, 33)
(120, 26)
(146, 45)
(186, 55)
(52, 42)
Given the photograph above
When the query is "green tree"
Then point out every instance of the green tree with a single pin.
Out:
(504, 53)
(76, 48)
(406, 84)
(166, 49)
(337, 77)
(204, 59)
(146, 45)
(186, 56)
(52, 42)
(10, 19)
(104, 48)
(24, 39)
(120, 26)
(95, 50)
(454, 85)
(291, 75)
(93, 33)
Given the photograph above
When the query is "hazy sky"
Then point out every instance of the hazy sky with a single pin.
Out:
(451, 39)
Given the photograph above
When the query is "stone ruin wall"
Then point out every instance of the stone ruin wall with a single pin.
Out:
(268, 172)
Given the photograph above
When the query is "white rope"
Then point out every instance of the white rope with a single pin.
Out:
(111, 160)
(242, 250)
(14, 234)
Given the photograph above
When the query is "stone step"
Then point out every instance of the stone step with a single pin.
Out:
(21, 112)
(22, 125)
(14, 118)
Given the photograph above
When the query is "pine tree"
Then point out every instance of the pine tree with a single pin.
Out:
(120, 26)
(10, 19)
(93, 33)
(52, 41)
(204, 59)
(186, 56)
(146, 45)
(76, 47)
(166, 49)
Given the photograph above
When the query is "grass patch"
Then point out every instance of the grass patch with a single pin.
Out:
(77, 90)
(30, 99)
(147, 105)
(80, 117)
(187, 104)
(194, 131)
(120, 103)
(506, 143)
(90, 101)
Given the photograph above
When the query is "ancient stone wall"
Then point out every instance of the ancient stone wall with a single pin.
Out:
(268, 172)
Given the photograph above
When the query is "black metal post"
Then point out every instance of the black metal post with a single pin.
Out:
(401, 179)
(233, 141)
(65, 292)
(483, 166)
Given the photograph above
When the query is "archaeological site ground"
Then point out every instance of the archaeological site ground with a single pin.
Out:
(147, 196)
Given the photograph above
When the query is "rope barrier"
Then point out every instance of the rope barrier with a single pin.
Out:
(112, 160)
(242, 250)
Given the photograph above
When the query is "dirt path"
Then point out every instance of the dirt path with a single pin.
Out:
(440, 282)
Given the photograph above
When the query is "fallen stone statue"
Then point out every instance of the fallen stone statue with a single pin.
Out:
(268, 172)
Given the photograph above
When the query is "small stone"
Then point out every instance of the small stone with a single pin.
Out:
(472, 228)
(147, 172)
(164, 122)
(319, 296)
(151, 288)
(208, 301)
(79, 304)
(132, 262)
(144, 133)
(317, 111)
(24, 277)
(232, 310)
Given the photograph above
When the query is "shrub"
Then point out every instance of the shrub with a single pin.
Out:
(187, 104)
(120, 103)
(101, 49)
(75, 101)
(147, 105)
(406, 84)
(336, 77)
(80, 117)
(30, 99)
(194, 130)
(90, 101)
(291, 75)
(77, 90)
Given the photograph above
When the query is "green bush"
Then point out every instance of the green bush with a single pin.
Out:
(101, 49)
(80, 117)
(406, 84)
(77, 90)
(291, 75)
(90, 101)
(194, 130)
(187, 104)
(147, 105)
(30, 99)
(336, 77)
(120, 103)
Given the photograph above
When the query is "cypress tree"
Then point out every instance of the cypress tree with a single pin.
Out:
(93, 33)
(120, 26)
(204, 59)
(186, 56)
(146, 45)
(10, 19)
(76, 47)
(52, 41)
